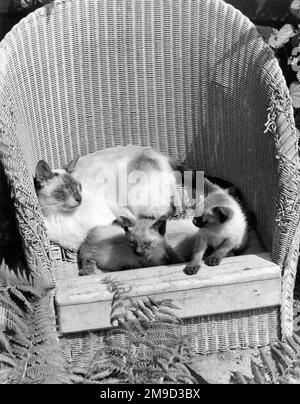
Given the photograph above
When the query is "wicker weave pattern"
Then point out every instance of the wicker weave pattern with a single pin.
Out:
(192, 78)
(212, 334)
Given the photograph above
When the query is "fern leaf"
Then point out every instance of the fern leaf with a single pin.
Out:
(296, 339)
(239, 378)
(258, 373)
(287, 350)
(293, 343)
(4, 375)
(268, 366)
(4, 343)
(282, 362)
(197, 377)
(170, 313)
(7, 360)
(19, 295)
(167, 303)
(7, 304)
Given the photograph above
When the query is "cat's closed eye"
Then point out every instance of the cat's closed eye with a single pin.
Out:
(132, 243)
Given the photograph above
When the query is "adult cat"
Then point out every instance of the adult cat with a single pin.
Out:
(69, 210)
(130, 177)
(90, 192)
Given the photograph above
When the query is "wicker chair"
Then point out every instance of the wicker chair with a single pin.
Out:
(193, 79)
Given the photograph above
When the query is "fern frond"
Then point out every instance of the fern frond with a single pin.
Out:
(281, 367)
(146, 346)
(268, 366)
(282, 361)
(258, 373)
(294, 344)
(287, 350)
(7, 360)
(4, 343)
(296, 339)
(30, 336)
(238, 378)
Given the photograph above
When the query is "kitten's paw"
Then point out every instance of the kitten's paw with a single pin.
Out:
(212, 261)
(89, 268)
(191, 269)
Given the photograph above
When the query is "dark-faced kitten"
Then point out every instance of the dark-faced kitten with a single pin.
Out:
(127, 244)
(222, 226)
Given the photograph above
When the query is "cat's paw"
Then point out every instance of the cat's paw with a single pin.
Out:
(191, 269)
(212, 261)
(89, 268)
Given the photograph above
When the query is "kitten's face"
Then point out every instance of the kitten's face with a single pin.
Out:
(143, 242)
(216, 210)
(57, 190)
(212, 217)
(144, 236)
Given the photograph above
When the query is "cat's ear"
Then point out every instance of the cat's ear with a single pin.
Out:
(71, 166)
(160, 226)
(224, 213)
(124, 222)
(208, 186)
(43, 172)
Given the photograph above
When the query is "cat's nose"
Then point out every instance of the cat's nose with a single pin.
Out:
(78, 198)
(138, 251)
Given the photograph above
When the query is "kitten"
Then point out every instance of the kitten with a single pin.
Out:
(69, 210)
(127, 244)
(181, 235)
(222, 226)
(237, 195)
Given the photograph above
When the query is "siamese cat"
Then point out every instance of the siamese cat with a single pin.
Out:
(69, 210)
(222, 227)
(127, 244)
(180, 236)
(134, 178)
(89, 191)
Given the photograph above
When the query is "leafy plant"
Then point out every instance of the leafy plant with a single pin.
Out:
(286, 45)
(145, 346)
(281, 366)
(28, 5)
(29, 349)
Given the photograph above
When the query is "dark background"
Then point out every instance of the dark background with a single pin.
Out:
(263, 12)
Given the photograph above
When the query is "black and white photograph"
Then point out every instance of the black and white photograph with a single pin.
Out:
(149, 195)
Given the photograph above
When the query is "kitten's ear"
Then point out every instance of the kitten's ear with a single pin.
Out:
(177, 165)
(71, 166)
(124, 222)
(208, 186)
(42, 172)
(224, 213)
(235, 192)
(160, 226)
